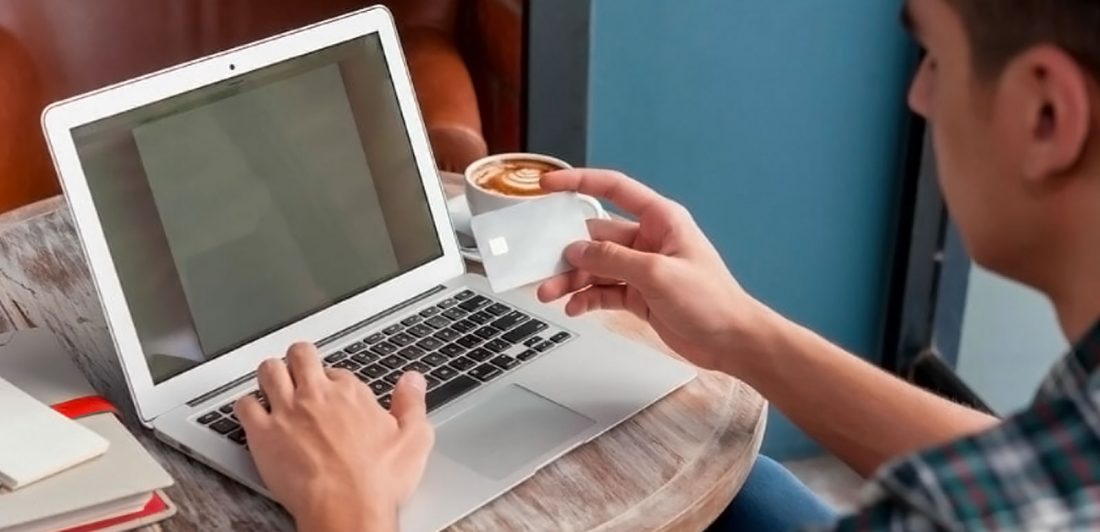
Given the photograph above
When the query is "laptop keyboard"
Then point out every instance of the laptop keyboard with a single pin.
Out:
(459, 342)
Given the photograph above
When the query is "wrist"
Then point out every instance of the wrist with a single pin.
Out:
(340, 515)
(753, 341)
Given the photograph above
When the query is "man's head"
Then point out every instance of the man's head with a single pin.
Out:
(1010, 90)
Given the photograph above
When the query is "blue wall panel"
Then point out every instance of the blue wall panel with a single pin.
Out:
(779, 124)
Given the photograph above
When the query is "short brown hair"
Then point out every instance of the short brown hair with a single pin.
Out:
(999, 30)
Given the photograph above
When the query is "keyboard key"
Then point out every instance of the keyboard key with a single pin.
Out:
(349, 365)
(375, 338)
(384, 348)
(480, 318)
(335, 357)
(439, 322)
(392, 378)
(533, 341)
(444, 373)
(365, 358)
(386, 401)
(487, 332)
(238, 437)
(470, 341)
(402, 339)
(226, 409)
(485, 372)
(394, 362)
(224, 426)
(447, 303)
(380, 387)
(449, 392)
(480, 354)
(418, 367)
(434, 359)
(505, 362)
(354, 348)
(429, 312)
(455, 313)
(432, 382)
(510, 320)
(208, 418)
(527, 355)
(393, 329)
(544, 346)
(420, 330)
(429, 344)
(451, 350)
(474, 303)
(560, 337)
(411, 320)
(464, 326)
(525, 330)
(462, 363)
(447, 335)
(498, 346)
(498, 309)
(412, 352)
(374, 371)
(464, 295)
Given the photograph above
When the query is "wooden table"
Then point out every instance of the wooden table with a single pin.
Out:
(675, 466)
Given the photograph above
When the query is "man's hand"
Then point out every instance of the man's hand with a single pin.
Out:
(661, 268)
(328, 451)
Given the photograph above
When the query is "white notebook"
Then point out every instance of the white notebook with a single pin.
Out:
(37, 441)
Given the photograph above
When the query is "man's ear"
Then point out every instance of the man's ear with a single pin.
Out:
(1048, 92)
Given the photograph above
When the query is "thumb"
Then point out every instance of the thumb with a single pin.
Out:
(408, 400)
(613, 260)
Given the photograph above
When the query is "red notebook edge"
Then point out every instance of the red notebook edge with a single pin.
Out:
(159, 508)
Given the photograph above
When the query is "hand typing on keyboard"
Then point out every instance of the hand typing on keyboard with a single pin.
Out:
(327, 450)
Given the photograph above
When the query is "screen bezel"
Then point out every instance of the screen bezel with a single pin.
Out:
(58, 120)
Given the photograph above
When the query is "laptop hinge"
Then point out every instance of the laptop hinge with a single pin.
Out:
(322, 342)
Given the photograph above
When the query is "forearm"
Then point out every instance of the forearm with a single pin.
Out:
(860, 413)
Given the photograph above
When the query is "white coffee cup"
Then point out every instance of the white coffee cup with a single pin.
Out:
(483, 200)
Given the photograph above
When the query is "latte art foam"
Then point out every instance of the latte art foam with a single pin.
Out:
(514, 178)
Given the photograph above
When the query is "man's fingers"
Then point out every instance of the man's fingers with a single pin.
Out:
(628, 194)
(305, 365)
(597, 298)
(250, 413)
(276, 383)
(617, 231)
(614, 261)
(408, 400)
(340, 374)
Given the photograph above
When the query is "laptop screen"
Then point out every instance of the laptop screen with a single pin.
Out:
(239, 208)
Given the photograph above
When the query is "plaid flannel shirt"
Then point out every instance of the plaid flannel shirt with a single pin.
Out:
(1038, 470)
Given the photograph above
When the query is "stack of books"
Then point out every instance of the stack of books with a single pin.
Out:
(117, 489)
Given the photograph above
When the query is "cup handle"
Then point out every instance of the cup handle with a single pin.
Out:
(594, 208)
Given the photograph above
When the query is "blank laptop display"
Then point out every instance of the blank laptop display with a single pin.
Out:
(241, 207)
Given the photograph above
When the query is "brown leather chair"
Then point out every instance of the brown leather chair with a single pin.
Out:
(53, 49)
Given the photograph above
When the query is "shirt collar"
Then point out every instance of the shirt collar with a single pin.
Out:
(1075, 370)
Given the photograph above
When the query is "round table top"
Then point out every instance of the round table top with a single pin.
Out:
(674, 466)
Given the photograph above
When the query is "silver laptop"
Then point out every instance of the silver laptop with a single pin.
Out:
(286, 190)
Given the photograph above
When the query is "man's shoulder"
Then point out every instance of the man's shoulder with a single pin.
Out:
(1039, 469)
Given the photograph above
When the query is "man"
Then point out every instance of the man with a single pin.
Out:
(1012, 92)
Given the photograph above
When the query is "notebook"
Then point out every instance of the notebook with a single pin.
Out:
(120, 484)
(48, 442)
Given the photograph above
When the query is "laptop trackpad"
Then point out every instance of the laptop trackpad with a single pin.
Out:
(506, 430)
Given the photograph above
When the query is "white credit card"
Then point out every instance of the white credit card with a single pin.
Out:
(524, 243)
(37, 442)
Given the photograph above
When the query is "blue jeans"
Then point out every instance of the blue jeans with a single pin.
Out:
(773, 499)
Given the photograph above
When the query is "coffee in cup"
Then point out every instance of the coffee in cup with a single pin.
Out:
(504, 180)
